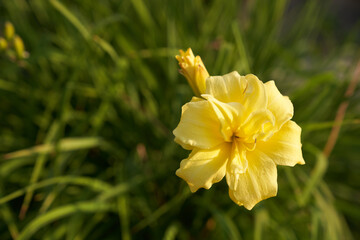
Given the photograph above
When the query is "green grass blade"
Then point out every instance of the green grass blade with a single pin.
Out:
(61, 212)
(72, 18)
(64, 145)
(241, 47)
(162, 210)
(39, 164)
(316, 175)
(143, 13)
(94, 184)
(171, 231)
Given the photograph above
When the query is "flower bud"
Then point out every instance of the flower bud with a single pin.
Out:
(194, 71)
(9, 30)
(19, 47)
(3, 44)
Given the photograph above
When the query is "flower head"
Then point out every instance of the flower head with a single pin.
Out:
(194, 70)
(240, 129)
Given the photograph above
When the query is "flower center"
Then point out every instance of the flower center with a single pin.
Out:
(245, 142)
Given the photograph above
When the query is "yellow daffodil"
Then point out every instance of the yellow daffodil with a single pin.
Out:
(194, 70)
(240, 129)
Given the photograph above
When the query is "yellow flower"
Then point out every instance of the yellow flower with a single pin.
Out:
(240, 129)
(194, 70)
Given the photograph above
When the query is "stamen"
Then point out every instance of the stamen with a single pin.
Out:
(234, 137)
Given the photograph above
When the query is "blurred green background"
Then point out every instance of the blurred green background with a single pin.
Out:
(86, 119)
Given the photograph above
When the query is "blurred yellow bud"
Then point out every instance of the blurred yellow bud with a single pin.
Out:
(9, 31)
(3, 43)
(19, 47)
(194, 70)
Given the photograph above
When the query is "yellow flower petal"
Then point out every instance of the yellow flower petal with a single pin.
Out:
(248, 91)
(284, 148)
(256, 184)
(204, 167)
(278, 104)
(238, 162)
(199, 126)
(226, 88)
(257, 126)
(255, 97)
